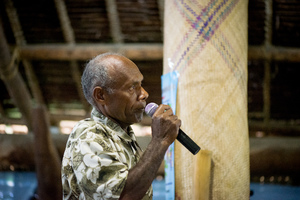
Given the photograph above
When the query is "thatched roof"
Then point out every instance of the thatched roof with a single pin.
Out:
(45, 30)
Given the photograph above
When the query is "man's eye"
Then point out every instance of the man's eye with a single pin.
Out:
(132, 88)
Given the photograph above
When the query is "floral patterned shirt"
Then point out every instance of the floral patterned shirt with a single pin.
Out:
(97, 158)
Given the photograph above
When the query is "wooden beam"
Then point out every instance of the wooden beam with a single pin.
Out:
(14, 22)
(274, 53)
(88, 51)
(143, 51)
(65, 21)
(20, 40)
(275, 155)
(13, 80)
(47, 159)
(69, 37)
(275, 127)
(268, 22)
(114, 21)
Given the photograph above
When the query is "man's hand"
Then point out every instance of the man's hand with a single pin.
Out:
(165, 125)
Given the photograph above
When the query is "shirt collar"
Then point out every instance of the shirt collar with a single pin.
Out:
(116, 128)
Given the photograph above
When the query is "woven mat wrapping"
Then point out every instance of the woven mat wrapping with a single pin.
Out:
(206, 42)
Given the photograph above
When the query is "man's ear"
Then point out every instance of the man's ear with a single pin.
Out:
(98, 95)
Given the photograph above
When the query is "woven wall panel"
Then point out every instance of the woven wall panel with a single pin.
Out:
(207, 43)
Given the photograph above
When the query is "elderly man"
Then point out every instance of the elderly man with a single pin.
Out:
(102, 159)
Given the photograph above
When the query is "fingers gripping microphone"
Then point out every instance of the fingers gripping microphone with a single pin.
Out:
(181, 137)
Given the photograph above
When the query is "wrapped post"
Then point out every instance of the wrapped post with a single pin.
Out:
(206, 40)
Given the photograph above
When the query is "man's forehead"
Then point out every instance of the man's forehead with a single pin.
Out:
(123, 69)
(117, 62)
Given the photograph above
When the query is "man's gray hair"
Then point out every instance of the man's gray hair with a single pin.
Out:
(96, 74)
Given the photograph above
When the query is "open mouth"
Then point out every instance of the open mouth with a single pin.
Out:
(141, 110)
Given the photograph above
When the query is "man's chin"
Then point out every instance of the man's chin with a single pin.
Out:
(139, 117)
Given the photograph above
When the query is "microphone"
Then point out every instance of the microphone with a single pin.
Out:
(181, 137)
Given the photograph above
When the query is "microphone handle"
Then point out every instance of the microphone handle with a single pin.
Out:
(186, 141)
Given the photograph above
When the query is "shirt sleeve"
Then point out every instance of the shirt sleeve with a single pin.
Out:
(98, 165)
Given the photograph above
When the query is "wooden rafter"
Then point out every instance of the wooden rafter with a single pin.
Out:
(88, 51)
(137, 52)
(114, 21)
(274, 53)
(65, 21)
(13, 80)
(70, 39)
(20, 41)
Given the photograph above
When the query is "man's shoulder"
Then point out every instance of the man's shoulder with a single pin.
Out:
(88, 125)
(89, 132)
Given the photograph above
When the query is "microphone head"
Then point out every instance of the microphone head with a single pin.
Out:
(151, 108)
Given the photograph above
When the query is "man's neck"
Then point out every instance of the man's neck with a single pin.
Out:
(125, 127)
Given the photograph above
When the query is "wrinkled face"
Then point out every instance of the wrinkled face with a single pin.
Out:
(126, 103)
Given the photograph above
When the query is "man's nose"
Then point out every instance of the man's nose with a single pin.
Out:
(144, 94)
